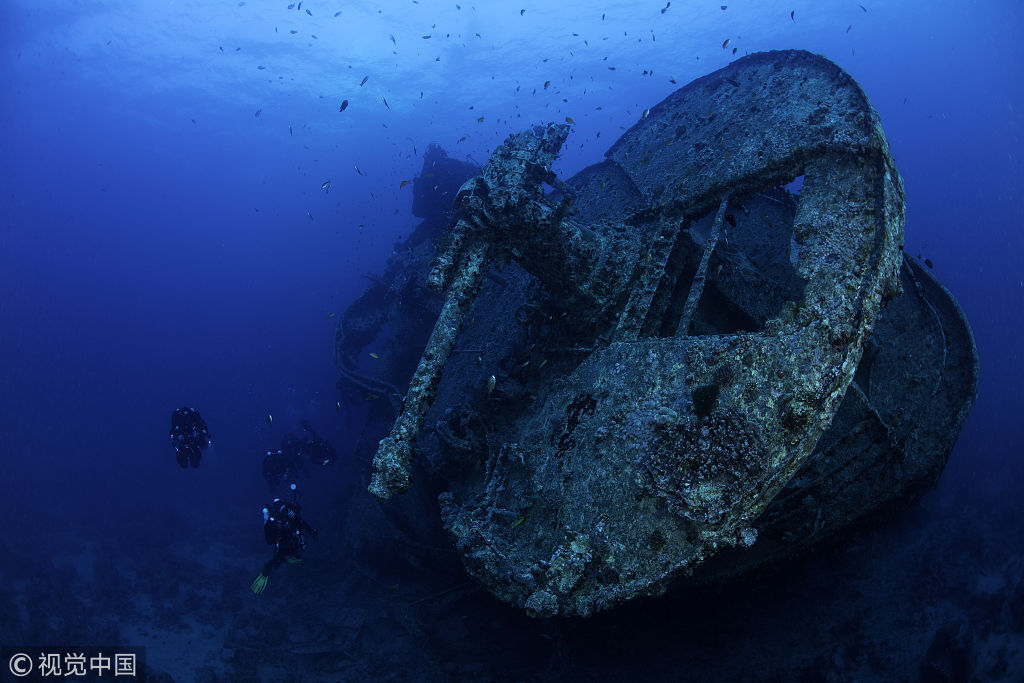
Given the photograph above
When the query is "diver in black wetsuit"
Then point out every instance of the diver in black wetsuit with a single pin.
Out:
(189, 436)
(283, 528)
(284, 465)
(317, 449)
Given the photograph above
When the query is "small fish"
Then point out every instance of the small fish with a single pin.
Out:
(291, 6)
(290, 130)
(569, 120)
(259, 112)
(491, 381)
(725, 44)
(344, 105)
(337, 406)
(358, 171)
(391, 591)
(385, 103)
(330, 315)
(480, 120)
(546, 84)
(260, 67)
(479, 360)
(522, 12)
(374, 355)
(426, 37)
(403, 184)
(326, 186)
(372, 397)
(392, 39)
(863, 8)
(927, 261)
(309, 215)
(457, 142)
(665, 8)
(309, 13)
(363, 82)
(792, 15)
(517, 522)
(647, 112)
(270, 419)
(299, 8)
(337, 14)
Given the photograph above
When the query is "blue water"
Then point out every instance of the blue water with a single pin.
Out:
(164, 240)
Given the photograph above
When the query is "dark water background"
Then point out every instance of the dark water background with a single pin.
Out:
(164, 240)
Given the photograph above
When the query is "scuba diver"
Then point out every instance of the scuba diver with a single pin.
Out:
(317, 449)
(285, 529)
(284, 465)
(189, 436)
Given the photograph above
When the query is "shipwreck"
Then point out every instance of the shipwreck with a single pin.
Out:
(703, 354)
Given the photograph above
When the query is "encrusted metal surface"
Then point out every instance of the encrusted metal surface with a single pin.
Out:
(690, 330)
